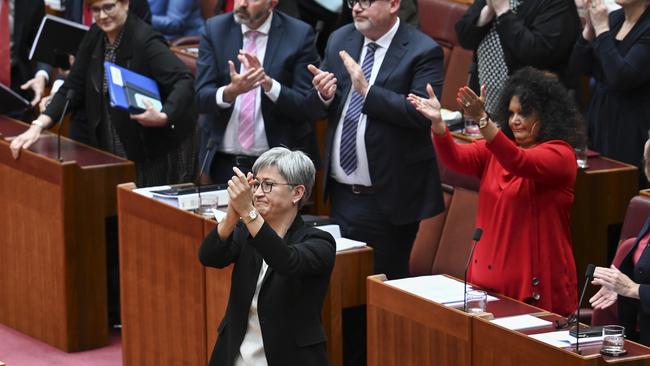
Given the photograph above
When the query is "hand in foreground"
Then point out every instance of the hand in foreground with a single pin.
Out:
(616, 280)
(473, 106)
(604, 298)
(598, 16)
(429, 108)
(500, 6)
(24, 140)
(359, 82)
(251, 61)
(240, 193)
(242, 83)
(37, 84)
(324, 82)
(150, 117)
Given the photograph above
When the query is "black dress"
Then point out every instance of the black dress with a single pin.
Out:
(619, 112)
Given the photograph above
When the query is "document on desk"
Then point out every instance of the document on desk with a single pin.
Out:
(341, 242)
(518, 322)
(437, 288)
(562, 338)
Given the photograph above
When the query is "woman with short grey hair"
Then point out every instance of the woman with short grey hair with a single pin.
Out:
(281, 266)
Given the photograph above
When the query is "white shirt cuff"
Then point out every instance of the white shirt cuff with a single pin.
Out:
(274, 93)
(220, 101)
(44, 73)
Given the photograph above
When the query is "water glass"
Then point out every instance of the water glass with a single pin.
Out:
(613, 340)
(471, 128)
(476, 301)
(207, 203)
(581, 157)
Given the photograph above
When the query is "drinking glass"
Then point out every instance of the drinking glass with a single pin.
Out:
(613, 340)
(476, 301)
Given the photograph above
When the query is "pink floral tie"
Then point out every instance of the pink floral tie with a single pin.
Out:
(247, 105)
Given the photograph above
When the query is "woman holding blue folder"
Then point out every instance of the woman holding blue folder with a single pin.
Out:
(158, 141)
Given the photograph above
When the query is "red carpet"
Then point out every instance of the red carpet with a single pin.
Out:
(17, 349)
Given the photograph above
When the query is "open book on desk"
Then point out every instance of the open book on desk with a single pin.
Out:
(341, 242)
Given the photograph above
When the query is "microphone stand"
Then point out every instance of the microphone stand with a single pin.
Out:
(588, 275)
(208, 148)
(68, 97)
(478, 232)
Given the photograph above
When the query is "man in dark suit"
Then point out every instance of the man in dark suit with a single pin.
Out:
(251, 80)
(27, 78)
(381, 169)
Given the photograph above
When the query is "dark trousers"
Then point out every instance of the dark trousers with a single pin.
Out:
(222, 164)
(360, 218)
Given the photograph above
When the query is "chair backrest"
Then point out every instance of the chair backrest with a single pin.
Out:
(637, 211)
(209, 7)
(456, 237)
(426, 241)
(635, 215)
(438, 20)
(188, 59)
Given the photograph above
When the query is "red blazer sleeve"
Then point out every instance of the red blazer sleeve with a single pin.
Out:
(469, 159)
(551, 162)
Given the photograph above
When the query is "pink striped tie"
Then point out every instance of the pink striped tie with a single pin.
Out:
(247, 105)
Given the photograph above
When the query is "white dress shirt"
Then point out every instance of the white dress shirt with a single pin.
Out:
(231, 143)
(251, 351)
(362, 174)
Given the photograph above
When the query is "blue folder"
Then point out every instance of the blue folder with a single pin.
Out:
(128, 90)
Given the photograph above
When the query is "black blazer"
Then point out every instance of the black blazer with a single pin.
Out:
(401, 158)
(290, 299)
(144, 51)
(632, 310)
(541, 34)
(27, 19)
(289, 50)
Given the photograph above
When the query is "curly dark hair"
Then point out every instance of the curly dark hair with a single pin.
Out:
(542, 93)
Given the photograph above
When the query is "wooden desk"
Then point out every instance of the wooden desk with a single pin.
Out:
(53, 283)
(172, 305)
(405, 329)
(602, 193)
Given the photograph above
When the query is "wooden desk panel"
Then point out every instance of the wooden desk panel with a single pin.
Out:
(53, 287)
(162, 283)
(602, 193)
(405, 329)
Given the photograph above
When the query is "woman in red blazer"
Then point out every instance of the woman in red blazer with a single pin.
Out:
(527, 171)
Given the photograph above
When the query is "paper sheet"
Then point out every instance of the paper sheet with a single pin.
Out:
(521, 322)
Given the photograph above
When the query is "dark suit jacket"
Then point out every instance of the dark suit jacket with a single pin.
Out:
(27, 19)
(632, 310)
(144, 51)
(290, 299)
(541, 34)
(401, 158)
(289, 50)
(74, 10)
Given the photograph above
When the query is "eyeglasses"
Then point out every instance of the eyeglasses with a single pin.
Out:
(108, 9)
(267, 186)
(572, 319)
(364, 4)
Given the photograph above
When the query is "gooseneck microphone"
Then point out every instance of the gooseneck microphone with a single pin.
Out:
(589, 274)
(208, 148)
(68, 97)
(478, 232)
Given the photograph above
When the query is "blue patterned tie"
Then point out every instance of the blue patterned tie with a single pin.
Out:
(348, 150)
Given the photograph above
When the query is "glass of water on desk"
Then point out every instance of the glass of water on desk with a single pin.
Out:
(613, 340)
(476, 301)
(207, 203)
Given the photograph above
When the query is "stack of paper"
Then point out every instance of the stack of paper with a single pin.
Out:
(341, 242)
(438, 288)
(562, 338)
(518, 322)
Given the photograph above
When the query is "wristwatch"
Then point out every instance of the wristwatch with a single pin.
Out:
(38, 123)
(252, 215)
(483, 122)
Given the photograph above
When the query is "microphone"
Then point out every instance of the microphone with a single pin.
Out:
(208, 148)
(478, 232)
(68, 97)
(589, 274)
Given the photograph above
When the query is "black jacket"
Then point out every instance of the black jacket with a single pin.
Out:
(145, 51)
(291, 297)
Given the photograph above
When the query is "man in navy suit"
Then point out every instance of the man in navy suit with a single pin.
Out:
(382, 175)
(251, 81)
